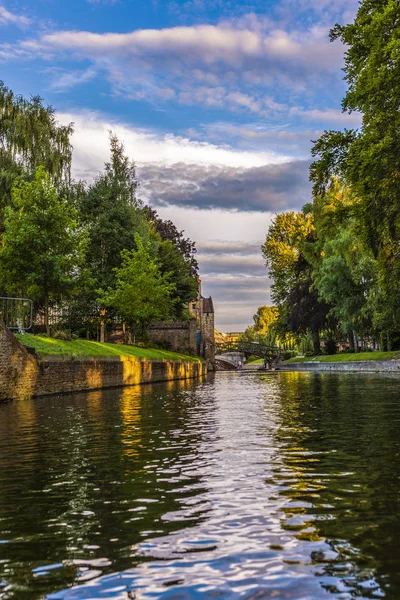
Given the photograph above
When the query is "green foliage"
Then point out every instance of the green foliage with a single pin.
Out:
(265, 318)
(141, 293)
(42, 244)
(179, 271)
(63, 241)
(367, 162)
(30, 136)
(298, 304)
(112, 215)
(168, 232)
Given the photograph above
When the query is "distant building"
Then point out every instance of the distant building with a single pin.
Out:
(233, 336)
(203, 310)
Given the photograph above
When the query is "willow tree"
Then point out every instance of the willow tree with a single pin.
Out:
(30, 136)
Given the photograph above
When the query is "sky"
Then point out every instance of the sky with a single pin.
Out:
(216, 101)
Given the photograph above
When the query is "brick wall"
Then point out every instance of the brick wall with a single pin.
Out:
(22, 376)
(18, 369)
(62, 374)
(180, 336)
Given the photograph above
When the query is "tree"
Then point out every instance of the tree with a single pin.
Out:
(30, 136)
(179, 271)
(112, 215)
(291, 275)
(169, 232)
(368, 160)
(141, 293)
(265, 318)
(43, 244)
(343, 267)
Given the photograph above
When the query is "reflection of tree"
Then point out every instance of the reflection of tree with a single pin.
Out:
(341, 448)
(90, 475)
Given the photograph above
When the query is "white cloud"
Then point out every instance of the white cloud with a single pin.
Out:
(239, 67)
(91, 147)
(65, 80)
(205, 45)
(331, 115)
(7, 18)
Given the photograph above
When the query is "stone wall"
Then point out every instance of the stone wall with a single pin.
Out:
(22, 376)
(18, 369)
(63, 374)
(364, 366)
(179, 336)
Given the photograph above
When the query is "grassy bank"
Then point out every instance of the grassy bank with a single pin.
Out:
(44, 345)
(360, 356)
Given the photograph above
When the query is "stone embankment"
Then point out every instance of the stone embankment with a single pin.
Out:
(24, 376)
(365, 366)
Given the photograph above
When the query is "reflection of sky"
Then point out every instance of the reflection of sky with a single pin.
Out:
(249, 524)
(216, 101)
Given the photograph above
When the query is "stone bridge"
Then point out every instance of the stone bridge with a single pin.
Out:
(228, 354)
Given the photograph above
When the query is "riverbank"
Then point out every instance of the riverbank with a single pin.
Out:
(23, 375)
(45, 346)
(366, 366)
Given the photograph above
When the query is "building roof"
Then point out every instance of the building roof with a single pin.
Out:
(208, 306)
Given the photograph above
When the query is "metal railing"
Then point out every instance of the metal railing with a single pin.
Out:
(17, 313)
(249, 348)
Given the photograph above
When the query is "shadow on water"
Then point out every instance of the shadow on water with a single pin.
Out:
(258, 485)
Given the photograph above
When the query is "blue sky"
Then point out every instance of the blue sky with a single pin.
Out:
(215, 100)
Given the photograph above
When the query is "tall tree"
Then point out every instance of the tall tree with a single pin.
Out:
(368, 159)
(30, 136)
(43, 244)
(141, 292)
(112, 214)
(292, 287)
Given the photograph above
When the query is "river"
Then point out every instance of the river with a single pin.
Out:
(243, 485)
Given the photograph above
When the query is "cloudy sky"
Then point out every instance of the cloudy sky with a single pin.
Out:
(215, 100)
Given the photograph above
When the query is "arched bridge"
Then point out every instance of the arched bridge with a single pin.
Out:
(231, 352)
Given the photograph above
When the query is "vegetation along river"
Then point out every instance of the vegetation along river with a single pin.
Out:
(245, 485)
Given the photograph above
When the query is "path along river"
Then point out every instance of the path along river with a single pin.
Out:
(245, 485)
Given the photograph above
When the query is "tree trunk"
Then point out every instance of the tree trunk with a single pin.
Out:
(102, 324)
(316, 341)
(351, 340)
(355, 341)
(46, 313)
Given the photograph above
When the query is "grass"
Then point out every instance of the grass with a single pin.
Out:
(343, 357)
(45, 345)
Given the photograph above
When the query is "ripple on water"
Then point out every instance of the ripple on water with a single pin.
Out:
(250, 487)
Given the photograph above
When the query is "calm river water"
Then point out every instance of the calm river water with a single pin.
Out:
(245, 485)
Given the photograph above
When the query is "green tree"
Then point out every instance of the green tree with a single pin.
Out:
(43, 244)
(367, 160)
(30, 136)
(343, 267)
(112, 215)
(292, 287)
(179, 271)
(141, 293)
(169, 232)
(265, 318)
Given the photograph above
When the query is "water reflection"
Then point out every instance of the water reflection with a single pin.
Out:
(279, 485)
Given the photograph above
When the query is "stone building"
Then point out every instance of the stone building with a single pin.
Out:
(203, 310)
